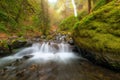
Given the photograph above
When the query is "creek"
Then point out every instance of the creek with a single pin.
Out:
(51, 61)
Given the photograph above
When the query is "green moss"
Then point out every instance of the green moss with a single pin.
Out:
(13, 15)
(2, 27)
(68, 23)
(100, 31)
(99, 4)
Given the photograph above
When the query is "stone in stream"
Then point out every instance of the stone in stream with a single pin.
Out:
(16, 62)
(27, 56)
(2, 72)
(33, 67)
(71, 42)
(18, 44)
(20, 73)
(20, 60)
(9, 68)
(43, 37)
(55, 46)
(4, 51)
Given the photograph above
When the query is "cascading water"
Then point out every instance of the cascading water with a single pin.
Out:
(46, 51)
(50, 61)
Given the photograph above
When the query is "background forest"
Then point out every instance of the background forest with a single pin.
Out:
(20, 17)
(82, 31)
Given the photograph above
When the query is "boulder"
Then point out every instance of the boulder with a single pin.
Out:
(18, 44)
(4, 51)
(98, 35)
(71, 42)
(27, 56)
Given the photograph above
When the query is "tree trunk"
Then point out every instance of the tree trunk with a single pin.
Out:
(107, 1)
(89, 6)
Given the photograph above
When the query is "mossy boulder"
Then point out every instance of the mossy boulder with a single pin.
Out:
(4, 48)
(99, 33)
(8, 46)
(68, 23)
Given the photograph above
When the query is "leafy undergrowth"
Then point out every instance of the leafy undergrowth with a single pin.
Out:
(99, 4)
(100, 30)
(68, 23)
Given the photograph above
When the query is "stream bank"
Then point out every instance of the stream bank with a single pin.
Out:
(43, 61)
(98, 34)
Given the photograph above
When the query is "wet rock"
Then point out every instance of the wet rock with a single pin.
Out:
(4, 51)
(16, 62)
(100, 59)
(10, 68)
(55, 46)
(27, 56)
(36, 39)
(43, 37)
(18, 44)
(5, 69)
(2, 72)
(19, 60)
(20, 73)
(29, 43)
(33, 67)
(71, 42)
(74, 49)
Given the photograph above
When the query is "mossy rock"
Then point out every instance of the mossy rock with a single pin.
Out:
(4, 48)
(18, 43)
(99, 32)
(68, 23)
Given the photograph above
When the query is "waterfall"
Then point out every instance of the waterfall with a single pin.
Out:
(47, 51)
(75, 9)
(43, 52)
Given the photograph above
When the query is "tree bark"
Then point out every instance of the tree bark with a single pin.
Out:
(107, 1)
(89, 6)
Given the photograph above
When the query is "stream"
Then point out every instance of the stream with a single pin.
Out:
(51, 61)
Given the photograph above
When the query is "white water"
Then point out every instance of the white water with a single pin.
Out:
(44, 52)
(52, 52)
(75, 9)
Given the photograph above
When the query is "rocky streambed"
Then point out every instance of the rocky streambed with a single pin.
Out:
(45, 61)
(51, 60)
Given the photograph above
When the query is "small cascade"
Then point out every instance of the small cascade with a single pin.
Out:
(51, 61)
(48, 51)
(64, 47)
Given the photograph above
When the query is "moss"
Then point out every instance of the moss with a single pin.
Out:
(99, 32)
(101, 28)
(99, 4)
(3, 43)
(68, 23)
(2, 27)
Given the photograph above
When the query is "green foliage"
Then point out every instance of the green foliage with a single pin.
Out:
(99, 4)
(4, 44)
(82, 14)
(68, 23)
(3, 16)
(2, 28)
(101, 28)
(18, 15)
